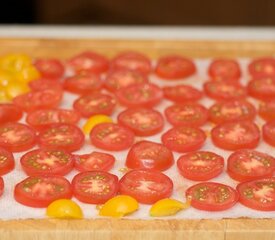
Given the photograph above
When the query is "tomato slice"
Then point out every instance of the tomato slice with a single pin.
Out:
(50, 68)
(132, 61)
(17, 137)
(262, 67)
(258, 194)
(83, 83)
(95, 187)
(246, 165)
(200, 166)
(118, 79)
(94, 161)
(44, 99)
(150, 155)
(188, 114)
(227, 111)
(211, 196)
(182, 93)
(262, 88)
(267, 110)
(61, 136)
(184, 139)
(269, 133)
(221, 90)
(41, 119)
(6, 162)
(89, 61)
(47, 162)
(175, 67)
(146, 186)
(111, 137)
(93, 104)
(140, 95)
(1, 186)
(40, 191)
(236, 135)
(9, 113)
(44, 84)
(142, 121)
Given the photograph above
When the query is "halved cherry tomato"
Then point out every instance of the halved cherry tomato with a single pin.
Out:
(9, 113)
(227, 111)
(150, 155)
(142, 121)
(44, 99)
(83, 83)
(111, 137)
(246, 165)
(43, 84)
(1, 186)
(41, 119)
(258, 194)
(16, 137)
(210, 196)
(93, 104)
(94, 161)
(175, 67)
(182, 93)
(262, 88)
(47, 162)
(200, 166)
(236, 135)
(132, 61)
(184, 139)
(146, 186)
(40, 191)
(267, 110)
(262, 67)
(14, 89)
(50, 68)
(61, 136)
(188, 114)
(15, 62)
(95, 187)
(269, 133)
(140, 95)
(6, 162)
(221, 90)
(122, 78)
(89, 61)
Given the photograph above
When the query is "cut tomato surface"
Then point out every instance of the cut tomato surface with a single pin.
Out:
(146, 186)
(6, 162)
(1, 186)
(262, 88)
(44, 84)
(50, 68)
(9, 113)
(269, 133)
(267, 110)
(262, 67)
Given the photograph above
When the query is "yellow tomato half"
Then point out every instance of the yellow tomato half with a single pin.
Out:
(94, 120)
(15, 62)
(14, 89)
(27, 74)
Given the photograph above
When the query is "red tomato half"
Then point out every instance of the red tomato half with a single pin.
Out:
(44, 84)
(142, 121)
(16, 137)
(188, 114)
(262, 88)
(1, 186)
(40, 191)
(111, 137)
(227, 111)
(262, 67)
(246, 165)
(92, 104)
(200, 166)
(6, 162)
(258, 194)
(47, 162)
(150, 155)
(61, 136)
(175, 67)
(140, 95)
(50, 68)
(267, 110)
(184, 139)
(89, 61)
(269, 133)
(9, 113)
(95, 187)
(236, 135)
(210, 196)
(146, 186)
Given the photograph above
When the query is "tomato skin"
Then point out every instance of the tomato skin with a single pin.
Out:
(142, 121)
(262, 67)
(269, 133)
(87, 194)
(6, 162)
(262, 88)
(1, 186)
(9, 113)
(149, 155)
(132, 184)
(210, 165)
(203, 194)
(262, 165)
(50, 68)
(175, 67)
(267, 110)
(44, 84)
(250, 194)
(58, 187)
